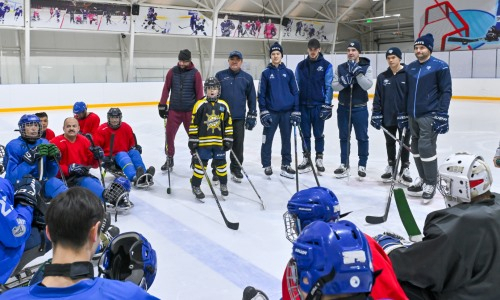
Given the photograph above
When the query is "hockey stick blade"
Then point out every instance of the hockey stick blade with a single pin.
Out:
(375, 219)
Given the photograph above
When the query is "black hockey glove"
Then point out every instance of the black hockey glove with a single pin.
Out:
(265, 118)
(53, 152)
(403, 121)
(228, 144)
(34, 154)
(251, 120)
(27, 191)
(193, 144)
(138, 148)
(77, 170)
(163, 111)
(440, 124)
(107, 162)
(377, 119)
(295, 117)
(97, 151)
(345, 80)
(326, 112)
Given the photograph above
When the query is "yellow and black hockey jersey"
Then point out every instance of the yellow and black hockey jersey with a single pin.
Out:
(211, 122)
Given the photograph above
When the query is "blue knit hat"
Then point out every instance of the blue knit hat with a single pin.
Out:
(276, 47)
(394, 51)
(425, 40)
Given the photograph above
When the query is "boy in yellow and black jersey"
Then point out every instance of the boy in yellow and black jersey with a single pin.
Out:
(211, 134)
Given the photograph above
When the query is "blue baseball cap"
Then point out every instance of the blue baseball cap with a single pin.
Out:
(236, 53)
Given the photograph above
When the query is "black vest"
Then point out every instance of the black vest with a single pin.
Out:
(183, 95)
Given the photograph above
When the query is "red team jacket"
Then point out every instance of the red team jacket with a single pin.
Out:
(386, 285)
(89, 124)
(74, 153)
(49, 134)
(124, 138)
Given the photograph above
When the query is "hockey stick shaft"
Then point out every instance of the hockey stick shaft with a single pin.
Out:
(349, 124)
(248, 178)
(63, 178)
(309, 156)
(89, 136)
(169, 190)
(396, 139)
(230, 225)
(111, 146)
(296, 163)
(406, 216)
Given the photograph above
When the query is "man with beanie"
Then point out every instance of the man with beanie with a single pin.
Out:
(390, 99)
(184, 85)
(314, 77)
(279, 106)
(353, 79)
(238, 90)
(429, 95)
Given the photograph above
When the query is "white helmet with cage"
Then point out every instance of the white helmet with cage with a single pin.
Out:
(463, 176)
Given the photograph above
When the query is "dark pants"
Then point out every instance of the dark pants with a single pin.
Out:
(359, 120)
(175, 118)
(423, 147)
(390, 145)
(310, 118)
(415, 293)
(281, 119)
(238, 139)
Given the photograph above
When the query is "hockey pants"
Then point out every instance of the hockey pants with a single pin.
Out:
(219, 161)
(129, 162)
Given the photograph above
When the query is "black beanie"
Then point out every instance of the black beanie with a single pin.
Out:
(425, 40)
(355, 44)
(276, 47)
(185, 55)
(394, 51)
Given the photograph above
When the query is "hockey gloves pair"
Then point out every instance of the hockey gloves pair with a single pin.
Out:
(440, 124)
(354, 68)
(265, 118)
(193, 144)
(78, 170)
(138, 148)
(403, 121)
(390, 242)
(326, 112)
(376, 120)
(163, 111)
(34, 154)
(251, 120)
(227, 144)
(295, 117)
(345, 80)
(97, 151)
(27, 190)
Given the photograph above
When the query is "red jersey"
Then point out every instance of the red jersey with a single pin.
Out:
(386, 285)
(76, 152)
(89, 124)
(49, 134)
(124, 138)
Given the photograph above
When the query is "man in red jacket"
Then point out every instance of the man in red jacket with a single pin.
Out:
(47, 133)
(88, 121)
(120, 147)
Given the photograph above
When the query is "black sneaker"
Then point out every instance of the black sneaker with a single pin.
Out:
(223, 189)
(319, 162)
(268, 171)
(169, 164)
(197, 192)
(287, 171)
(416, 189)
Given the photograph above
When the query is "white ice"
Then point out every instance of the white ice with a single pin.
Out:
(200, 258)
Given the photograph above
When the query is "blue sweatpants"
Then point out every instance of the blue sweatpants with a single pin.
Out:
(91, 183)
(53, 187)
(310, 118)
(281, 119)
(129, 162)
(359, 120)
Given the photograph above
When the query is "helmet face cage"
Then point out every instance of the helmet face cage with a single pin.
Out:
(117, 113)
(117, 191)
(212, 83)
(292, 227)
(30, 120)
(292, 279)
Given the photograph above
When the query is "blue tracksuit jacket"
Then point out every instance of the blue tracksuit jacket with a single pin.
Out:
(278, 90)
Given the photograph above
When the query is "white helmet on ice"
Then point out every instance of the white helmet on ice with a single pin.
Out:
(463, 176)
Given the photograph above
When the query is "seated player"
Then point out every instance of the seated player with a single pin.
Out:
(78, 156)
(211, 135)
(30, 154)
(319, 203)
(456, 258)
(122, 151)
(47, 133)
(73, 225)
(88, 121)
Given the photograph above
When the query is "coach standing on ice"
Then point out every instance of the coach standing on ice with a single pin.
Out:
(429, 95)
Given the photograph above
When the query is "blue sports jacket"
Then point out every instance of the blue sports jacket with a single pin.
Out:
(278, 90)
(390, 95)
(238, 90)
(314, 79)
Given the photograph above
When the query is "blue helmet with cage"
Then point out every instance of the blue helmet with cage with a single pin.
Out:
(30, 120)
(333, 259)
(79, 107)
(306, 206)
(130, 257)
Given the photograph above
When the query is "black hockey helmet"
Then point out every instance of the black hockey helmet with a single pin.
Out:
(211, 83)
(117, 113)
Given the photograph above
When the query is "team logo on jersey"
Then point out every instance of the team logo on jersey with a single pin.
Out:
(213, 121)
(320, 69)
(20, 229)
(386, 82)
(284, 75)
(428, 67)
(271, 76)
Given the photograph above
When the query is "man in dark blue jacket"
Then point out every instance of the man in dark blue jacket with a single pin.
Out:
(314, 77)
(279, 106)
(353, 79)
(390, 99)
(429, 96)
(238, 90)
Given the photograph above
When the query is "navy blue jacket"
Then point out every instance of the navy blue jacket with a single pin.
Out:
(361, 83)
(390, 95)
(278, 90)
(314, 78)
(238, 90)
(429, 87)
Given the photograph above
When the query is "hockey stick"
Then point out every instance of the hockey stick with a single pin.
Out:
(184, 27)
(406, 216)
(233, 226)
(166, 153)
(349, 124)
(63, 178)
(2, 154)
(89, 136)
(111, 146)
(382, 219)
(246, 175)
(309, 156)
(296, 163)
(396, 139)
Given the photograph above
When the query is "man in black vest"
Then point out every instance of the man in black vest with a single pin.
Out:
(185, 86)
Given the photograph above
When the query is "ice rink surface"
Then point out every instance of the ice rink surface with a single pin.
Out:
(200, 258)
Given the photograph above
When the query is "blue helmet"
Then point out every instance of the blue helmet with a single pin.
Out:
(130, 257)
(79, 107)
(29, 120)
(306, 206)
(333, 258)
(117, 191)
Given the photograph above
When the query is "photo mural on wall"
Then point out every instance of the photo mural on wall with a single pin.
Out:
(304, 30)
(11, 13)
(253, 27)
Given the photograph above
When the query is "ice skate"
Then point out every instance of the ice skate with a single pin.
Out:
(236, 175)
(319, 162)
(341, 172)
(387, 176)
(268, 171)
(287, 171)
(305, 165)
(198, 193)
(428, 193)
(361, 173)
(405, 177)
(223, 189)
(416, 189)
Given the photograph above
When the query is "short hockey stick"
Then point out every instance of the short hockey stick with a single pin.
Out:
(246, 175)
(296, 163)
(89, 136)
(382, 219)
(309, 156)
(233, 226)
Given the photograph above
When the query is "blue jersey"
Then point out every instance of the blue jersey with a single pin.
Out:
(390, 95)
(96, 288)
(314, 78)
(278, 90)
(15, 229)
